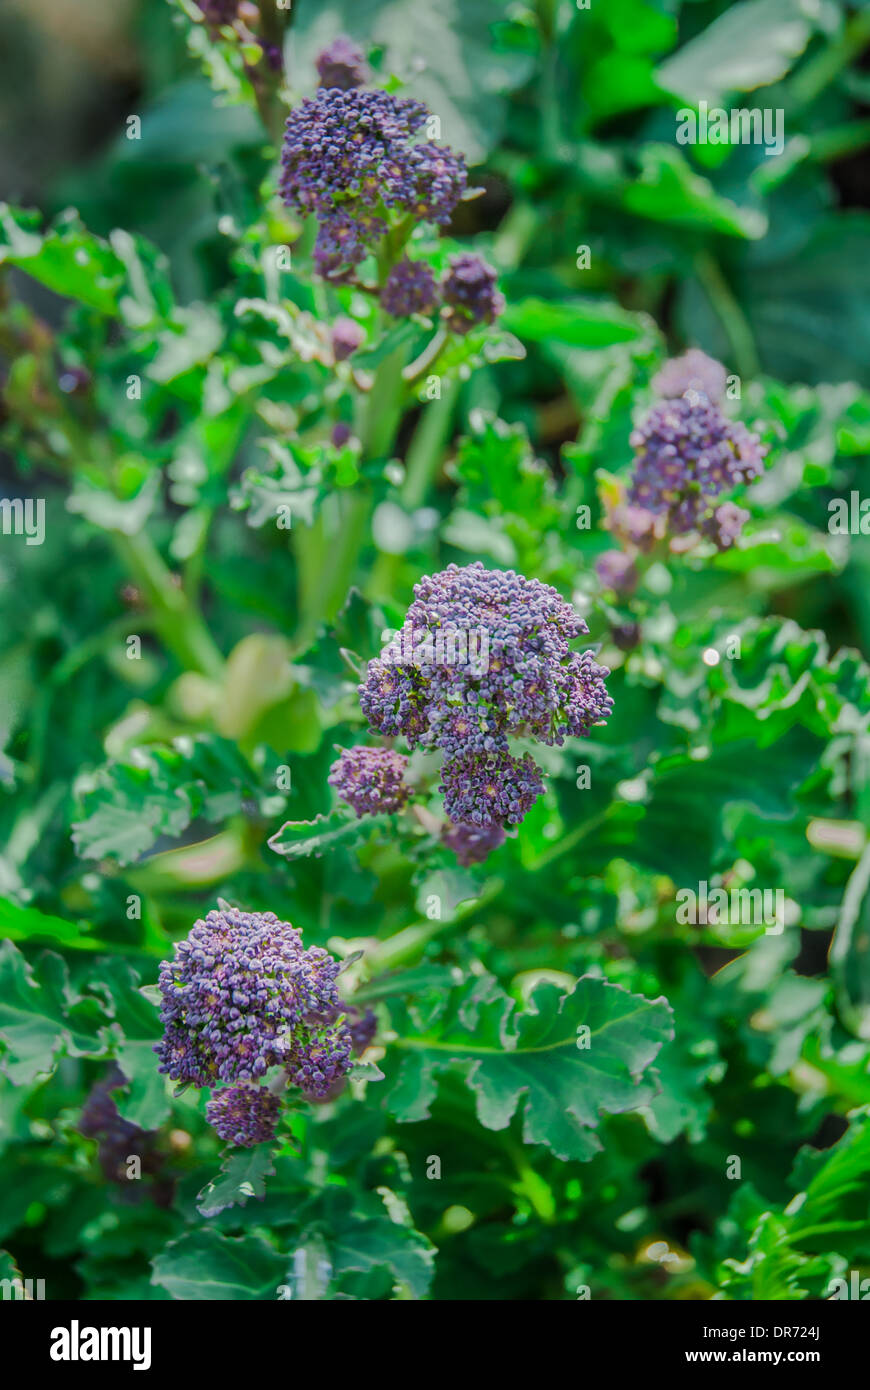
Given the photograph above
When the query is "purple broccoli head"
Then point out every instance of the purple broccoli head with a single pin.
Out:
(370, 779)
(243, 995)
(244, 1115)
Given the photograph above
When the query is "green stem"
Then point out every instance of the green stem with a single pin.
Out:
(730, 313)
(178, 624)
(568, 841)
(515, 235)
(839, 141)
(326, 557)
(819, 71)
(427, 358)
(381, 410)
(427, 446)
(407, 946)
(533, 1186)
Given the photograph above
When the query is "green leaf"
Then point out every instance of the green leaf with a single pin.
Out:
(534, 1056)
(750, 45)
(207, 1266)
(19, 923)
(136, 1028)
(797, 1251)
(379, 1243)
(66, 259)
(587, 323)
(243, 1174)
(850, 948)
(300, 839)
(808, 305)
(125, 806)
(669, 190)
(42, 1017)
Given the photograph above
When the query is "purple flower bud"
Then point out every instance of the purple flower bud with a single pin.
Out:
(687, 454)
(341, 433)
(636, 525)
(725, 525)
(486, 789)
(473, 843)
(409, 289)
(119, 1139)
(218, 12)
(342, 64)
(73, 380)
(626, 636)
(363, 1027)
(370, 779)
(273, 55)
(694, 371)
(348, 155)
(244, 1115)
(616, 570)
(469, 290)
(347, 336)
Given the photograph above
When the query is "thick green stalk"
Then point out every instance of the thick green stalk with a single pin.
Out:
(178, 624)
(326, 557)
(730, 314)
(816, 74)
(427, 446)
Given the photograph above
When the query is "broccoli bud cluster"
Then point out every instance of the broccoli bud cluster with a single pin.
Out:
(688, 453)
(352, 157)
(244, 1115)
(244, 995)
(370, 779)
(484, 656)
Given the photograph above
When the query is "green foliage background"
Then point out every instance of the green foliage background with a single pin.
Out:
(157, 781)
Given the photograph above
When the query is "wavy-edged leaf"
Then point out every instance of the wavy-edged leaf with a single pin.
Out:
(43, 1017)
(534, 1059)
(207, 1266)
(243, 1175)
(300, 839)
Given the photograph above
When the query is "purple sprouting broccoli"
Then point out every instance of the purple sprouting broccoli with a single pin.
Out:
(363, 1027)
(244, 1115)
(638, 526)
(218, 12)
(370, 780)
(693, 372)
(353, 159)
(490, 789)
(470, 293)
(617, 570)
(347, 336)
(410, 288)
(342, 64)
(472, 843)
(119, 1139)
(484, 655)
(687, 454)
(626, 636)
(726, 524)
(243, 995)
